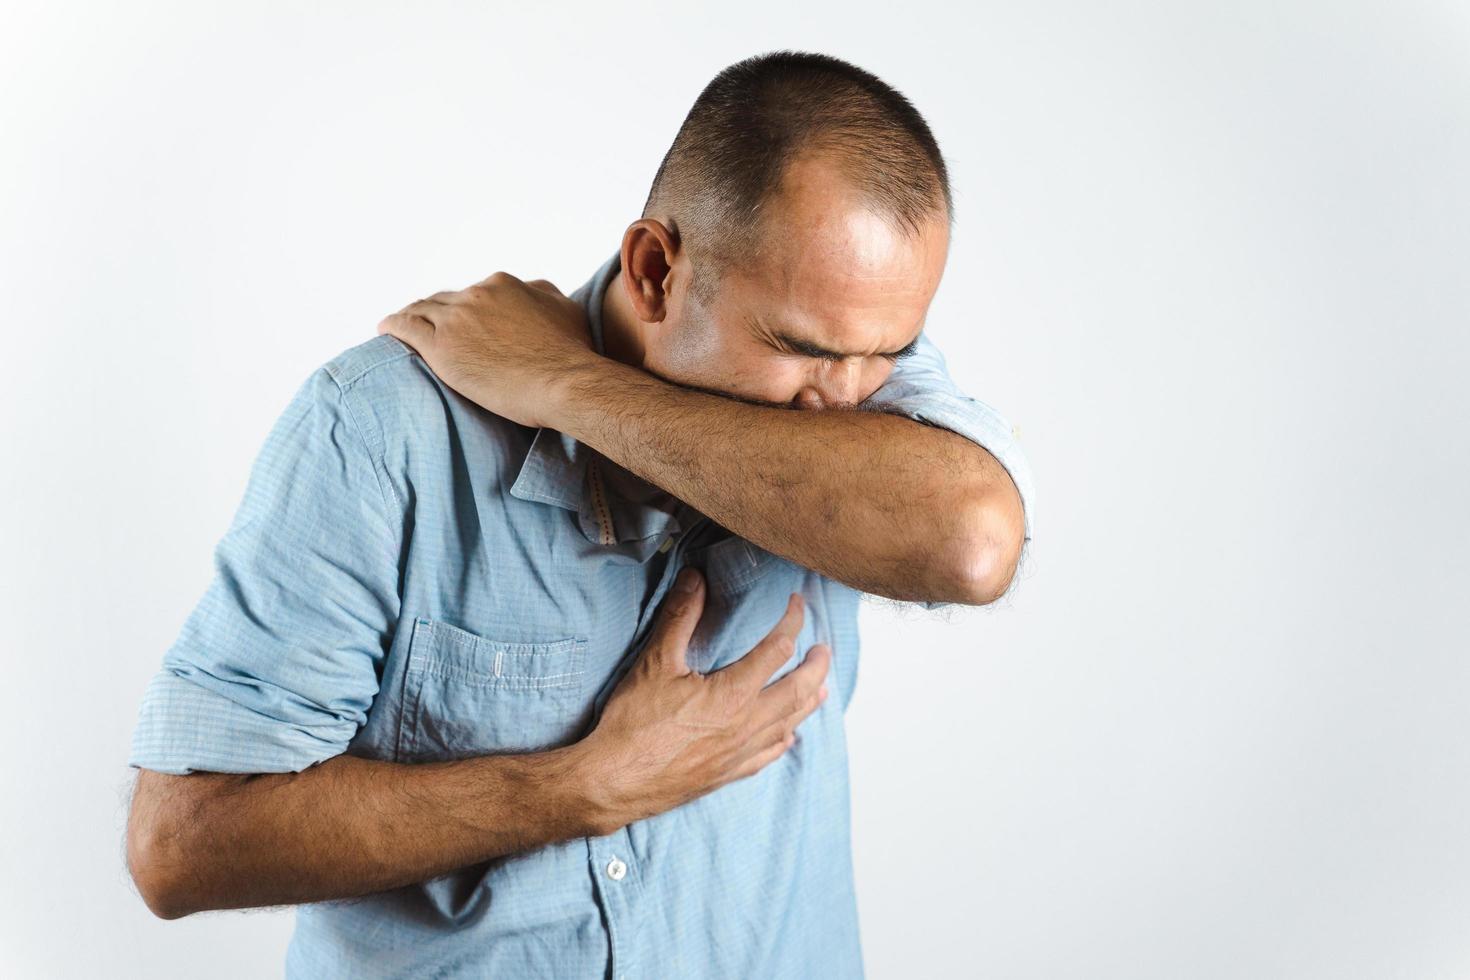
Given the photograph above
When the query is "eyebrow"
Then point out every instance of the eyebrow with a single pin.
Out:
(817, 350)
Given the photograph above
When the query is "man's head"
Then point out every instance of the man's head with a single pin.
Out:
(794, 236)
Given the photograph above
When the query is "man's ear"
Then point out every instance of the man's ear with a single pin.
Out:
(650, 256)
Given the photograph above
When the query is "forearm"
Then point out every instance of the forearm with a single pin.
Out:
(882, 503)
(343, 828)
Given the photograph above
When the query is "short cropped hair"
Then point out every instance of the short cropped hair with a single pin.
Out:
(757, 116)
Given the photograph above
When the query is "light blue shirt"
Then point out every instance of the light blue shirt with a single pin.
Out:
(412, 578)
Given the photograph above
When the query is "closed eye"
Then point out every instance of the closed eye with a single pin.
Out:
(802, 348)
(908, 351)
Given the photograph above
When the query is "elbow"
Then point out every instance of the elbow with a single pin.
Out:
(987, 562)
(985, 576)
(152, 871)
(156, 861)
(164, 907)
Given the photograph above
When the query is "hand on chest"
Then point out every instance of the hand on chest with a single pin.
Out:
(519, 670)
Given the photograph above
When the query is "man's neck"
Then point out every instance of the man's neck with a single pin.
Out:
(622, 331)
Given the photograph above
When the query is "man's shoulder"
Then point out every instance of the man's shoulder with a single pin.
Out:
(382, 355)
(395, 397)
(387, 378)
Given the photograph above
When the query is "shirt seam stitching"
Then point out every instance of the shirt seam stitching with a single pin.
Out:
(386, 491)
(388, 358)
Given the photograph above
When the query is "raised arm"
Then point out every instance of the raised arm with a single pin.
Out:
(885, 504)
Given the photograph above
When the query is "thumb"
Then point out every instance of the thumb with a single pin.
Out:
(414, 330)
(677, 617)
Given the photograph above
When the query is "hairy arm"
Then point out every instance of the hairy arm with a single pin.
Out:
(888, 505)
(343, 828)
(347, 827)
(885, 504)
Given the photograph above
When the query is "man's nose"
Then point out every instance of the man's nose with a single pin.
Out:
(837, 387)
(808, 399)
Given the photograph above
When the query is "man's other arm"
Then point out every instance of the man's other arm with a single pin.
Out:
(342, 828)
(347, 826)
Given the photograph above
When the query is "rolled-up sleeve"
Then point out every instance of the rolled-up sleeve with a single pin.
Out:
(276, 667)
(920, 388)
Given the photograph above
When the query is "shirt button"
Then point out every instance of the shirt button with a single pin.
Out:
(668, 543)
(616, 869)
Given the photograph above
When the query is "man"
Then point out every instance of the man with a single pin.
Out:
(445, 692)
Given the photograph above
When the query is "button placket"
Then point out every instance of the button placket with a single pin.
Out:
(617, 893)
(620, 894)
(666, 581)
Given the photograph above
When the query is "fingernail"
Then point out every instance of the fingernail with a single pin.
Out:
(687, 581)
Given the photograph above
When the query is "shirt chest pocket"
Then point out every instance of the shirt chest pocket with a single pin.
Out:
(466, 694)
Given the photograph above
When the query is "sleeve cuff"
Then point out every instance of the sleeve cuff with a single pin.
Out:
(184, 727)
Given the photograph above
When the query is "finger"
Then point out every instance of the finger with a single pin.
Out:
(430, 309)
(751, 671)
(677, 617)
(787, 721)
(795, 694)
(544, 286)
(411, 328)
(415, 323)
(771, 749)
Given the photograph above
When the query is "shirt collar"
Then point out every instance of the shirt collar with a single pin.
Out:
(564, 472)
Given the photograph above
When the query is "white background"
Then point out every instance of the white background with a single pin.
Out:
(1210, 258)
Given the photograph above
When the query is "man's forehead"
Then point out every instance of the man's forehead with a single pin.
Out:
(819, 232)
(834, 316)
(803, 274)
